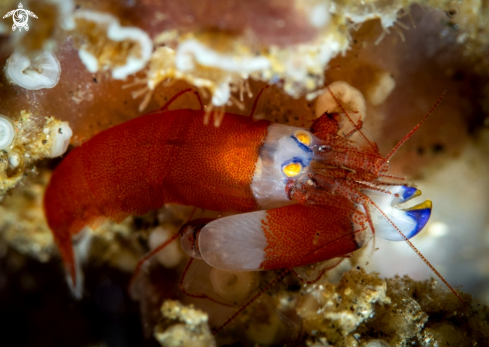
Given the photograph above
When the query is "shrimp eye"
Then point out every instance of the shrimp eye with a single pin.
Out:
(303, 137)
(292, 168)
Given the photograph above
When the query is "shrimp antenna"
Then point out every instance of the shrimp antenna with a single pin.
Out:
(177, 95)
(198, 296)
(418, 252)
(165, 243)
(405, 138)
(351, 121)
(147, 257)
(255, 103)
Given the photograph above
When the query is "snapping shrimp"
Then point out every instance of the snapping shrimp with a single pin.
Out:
(305, 195)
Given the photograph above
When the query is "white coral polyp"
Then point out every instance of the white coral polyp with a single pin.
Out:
(319, 15)
(351, 99)
(62, 136)
(171, 255)
(232, 286)
(42, 71)
(7, 132)
(192, 50)
(14, 160)
(65, 8)
(117, 33)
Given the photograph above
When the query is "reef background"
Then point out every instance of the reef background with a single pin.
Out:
(446, 159)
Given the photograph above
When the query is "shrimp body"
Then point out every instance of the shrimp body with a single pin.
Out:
(305, 195)
(140, 165)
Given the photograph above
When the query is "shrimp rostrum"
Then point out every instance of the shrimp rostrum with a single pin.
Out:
(302, 195)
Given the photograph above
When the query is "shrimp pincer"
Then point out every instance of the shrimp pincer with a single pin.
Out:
(304, 195)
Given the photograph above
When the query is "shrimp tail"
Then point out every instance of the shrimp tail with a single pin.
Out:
(73, 254)
(70, 252)
(68, 208)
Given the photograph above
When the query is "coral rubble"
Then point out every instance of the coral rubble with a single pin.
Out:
(361, 310)
(30, 143)
(183, 326)
(22, 223)
(399, 311)
(336, 311)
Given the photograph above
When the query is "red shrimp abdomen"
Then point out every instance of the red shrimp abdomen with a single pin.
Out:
(163, 157)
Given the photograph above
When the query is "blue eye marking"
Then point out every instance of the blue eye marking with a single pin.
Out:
(302, 146)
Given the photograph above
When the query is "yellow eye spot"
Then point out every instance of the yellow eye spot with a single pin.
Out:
(292, 169)
(303, 137)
